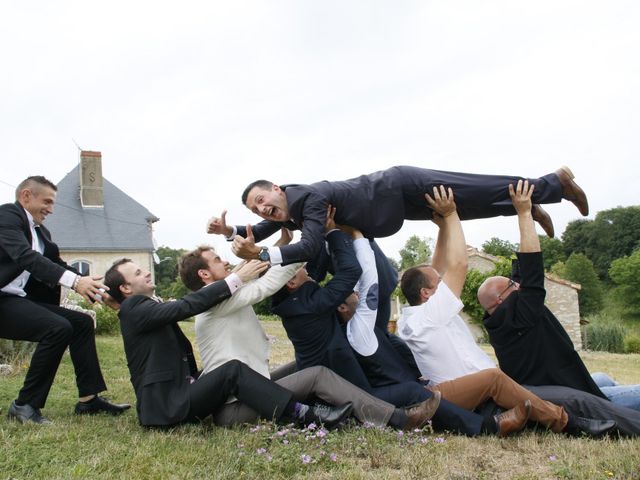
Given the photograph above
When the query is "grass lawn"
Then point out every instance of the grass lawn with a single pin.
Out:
(107, 447)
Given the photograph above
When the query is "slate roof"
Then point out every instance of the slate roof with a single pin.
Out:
(121, 225)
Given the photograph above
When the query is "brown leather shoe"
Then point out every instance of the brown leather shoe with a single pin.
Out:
(543, 219)
(419, 414)
(513, 420)
(571, 191)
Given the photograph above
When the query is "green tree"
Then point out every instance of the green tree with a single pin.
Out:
(166, 272)
(625, 273)
(613, 234)
(559, 269)
(579, 269)
(499, 248)
(576, 237)
(415, 252)
(552, 251)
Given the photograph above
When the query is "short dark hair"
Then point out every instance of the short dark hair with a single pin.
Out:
(188, 267)
(263, 184)
(413, 280)
(114, 279)
(29, 183)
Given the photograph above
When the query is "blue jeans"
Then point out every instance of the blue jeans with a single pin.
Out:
(625, 395)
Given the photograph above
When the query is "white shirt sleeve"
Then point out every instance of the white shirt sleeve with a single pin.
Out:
(257, 290)
(275, 255)
(360, 329)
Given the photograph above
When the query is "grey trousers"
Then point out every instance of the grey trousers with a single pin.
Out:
(320, 382)
(584, 404)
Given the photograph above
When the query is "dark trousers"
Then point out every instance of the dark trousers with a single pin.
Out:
(584, 404)
(448, 416)
(54, 329)
(209, 393)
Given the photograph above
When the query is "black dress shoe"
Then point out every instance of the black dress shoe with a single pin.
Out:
(327, 415)
(589, 426)
(98, 405)
(26, 414)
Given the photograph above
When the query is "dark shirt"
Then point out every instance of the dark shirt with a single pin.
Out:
(531, 345)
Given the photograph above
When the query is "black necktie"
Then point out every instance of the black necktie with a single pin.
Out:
(41, 237)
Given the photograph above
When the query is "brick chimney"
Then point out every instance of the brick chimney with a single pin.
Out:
(91, 193)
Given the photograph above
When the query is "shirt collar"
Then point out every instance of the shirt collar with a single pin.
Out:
(30, 218)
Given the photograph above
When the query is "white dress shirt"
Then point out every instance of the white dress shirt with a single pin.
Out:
(439, 338)
(360, 332)
(17, 285)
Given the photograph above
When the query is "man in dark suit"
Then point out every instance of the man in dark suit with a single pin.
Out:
(31, 272)
(162, 365)
(377, 205)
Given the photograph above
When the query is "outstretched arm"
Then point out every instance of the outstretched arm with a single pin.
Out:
(455, 265)
(521, 199)
(360, 331)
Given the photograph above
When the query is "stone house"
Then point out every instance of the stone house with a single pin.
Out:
(561, 299)
(95, 223)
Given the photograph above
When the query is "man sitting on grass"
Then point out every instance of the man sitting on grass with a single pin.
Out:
(441, 341)
(160, 358)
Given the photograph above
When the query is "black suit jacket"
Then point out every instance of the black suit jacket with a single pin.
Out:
(310, 320)
(16, 255)
(377, 204)
(531, 345)
(159, 356)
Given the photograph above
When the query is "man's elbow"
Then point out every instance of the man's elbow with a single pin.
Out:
(459, 264)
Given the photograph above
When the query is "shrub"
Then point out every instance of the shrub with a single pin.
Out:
(15, 351)
(107, 321)
(579, 269)
(632, 344)
(605, 336)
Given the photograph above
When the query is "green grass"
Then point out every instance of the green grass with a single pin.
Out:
(108, 447)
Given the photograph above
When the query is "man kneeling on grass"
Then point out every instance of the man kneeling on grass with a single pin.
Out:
(163, 368)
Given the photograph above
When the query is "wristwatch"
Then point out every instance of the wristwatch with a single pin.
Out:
(263, 255)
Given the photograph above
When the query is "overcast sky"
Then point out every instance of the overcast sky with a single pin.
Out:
(190, 101)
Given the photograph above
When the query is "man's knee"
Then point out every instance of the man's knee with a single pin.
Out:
(319, 370)
(60, 332)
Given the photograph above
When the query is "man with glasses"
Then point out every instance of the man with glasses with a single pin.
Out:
(531, 345)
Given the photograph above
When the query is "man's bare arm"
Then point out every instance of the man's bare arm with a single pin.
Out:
(439, 258)
(443, 203)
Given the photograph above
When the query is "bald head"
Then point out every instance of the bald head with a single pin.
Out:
(494, 290)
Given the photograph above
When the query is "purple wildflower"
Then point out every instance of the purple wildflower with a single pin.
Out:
(306, 459)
